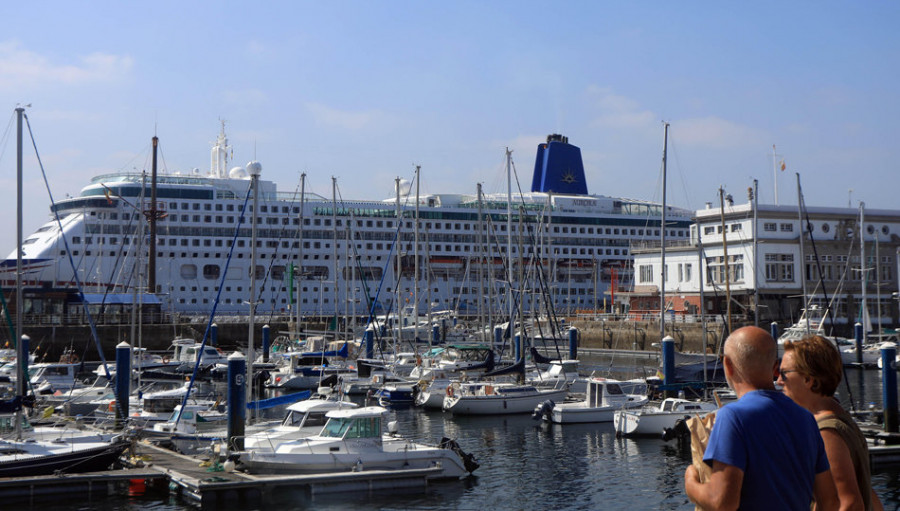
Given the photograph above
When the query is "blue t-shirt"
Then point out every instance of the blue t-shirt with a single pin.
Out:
(776, 443)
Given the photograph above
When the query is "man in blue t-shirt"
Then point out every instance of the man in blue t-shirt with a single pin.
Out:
(765, 451)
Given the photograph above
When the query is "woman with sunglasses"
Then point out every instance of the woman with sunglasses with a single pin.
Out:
(810, 372)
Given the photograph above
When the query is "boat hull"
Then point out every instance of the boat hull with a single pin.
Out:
(501, 403)
(400, 458)
(580, 413)
(78, 459)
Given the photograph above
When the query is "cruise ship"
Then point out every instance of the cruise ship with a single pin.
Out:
(348, 256)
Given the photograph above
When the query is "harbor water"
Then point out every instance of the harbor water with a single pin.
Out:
(525, 464)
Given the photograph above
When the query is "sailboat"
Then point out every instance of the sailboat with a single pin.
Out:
(493, 397)
(651, 420)
(27, 450)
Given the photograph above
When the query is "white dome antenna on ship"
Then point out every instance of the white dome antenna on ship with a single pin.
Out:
(219, 155)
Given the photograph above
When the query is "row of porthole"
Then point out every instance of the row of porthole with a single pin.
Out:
(870, 229)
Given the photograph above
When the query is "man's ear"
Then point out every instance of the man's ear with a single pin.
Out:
(728, 365)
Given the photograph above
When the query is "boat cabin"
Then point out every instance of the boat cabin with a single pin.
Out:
(313, 412)
(187, 351)
(682, 405)
(361, 424)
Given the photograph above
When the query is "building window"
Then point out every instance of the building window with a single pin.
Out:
(770, 227)
(779, 267)
(646, 273)
(787, 227)
(715, 269)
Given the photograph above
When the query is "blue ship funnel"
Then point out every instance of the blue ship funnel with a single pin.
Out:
(558, 168)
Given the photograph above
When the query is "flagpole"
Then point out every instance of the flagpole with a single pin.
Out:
(775, 172)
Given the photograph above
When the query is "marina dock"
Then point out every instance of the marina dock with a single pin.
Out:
(201, 484)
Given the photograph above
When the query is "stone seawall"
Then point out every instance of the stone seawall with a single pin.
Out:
(49, 342)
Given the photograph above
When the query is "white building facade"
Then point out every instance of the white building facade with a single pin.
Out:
(753, 254)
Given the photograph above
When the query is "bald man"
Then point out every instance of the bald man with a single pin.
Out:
(765, 451)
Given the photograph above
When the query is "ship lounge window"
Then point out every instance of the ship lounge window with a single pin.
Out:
(211, 271)
(196, 206)
(189, 271)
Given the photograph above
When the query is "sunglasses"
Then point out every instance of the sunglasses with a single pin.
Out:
(784, 372)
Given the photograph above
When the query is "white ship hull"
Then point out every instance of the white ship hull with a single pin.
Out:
(579, 237)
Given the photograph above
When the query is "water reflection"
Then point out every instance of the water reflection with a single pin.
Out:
(531, 465)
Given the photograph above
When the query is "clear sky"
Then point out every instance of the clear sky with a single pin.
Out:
(364, 90)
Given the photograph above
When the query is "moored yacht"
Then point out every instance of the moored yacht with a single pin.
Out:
(602, 398)
(354, 440)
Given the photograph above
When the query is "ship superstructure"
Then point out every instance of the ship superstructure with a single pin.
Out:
(566, 244)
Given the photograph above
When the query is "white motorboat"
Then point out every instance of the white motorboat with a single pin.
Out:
(653, 420)
(496, 398)
(602, 398)
(354, 440)
(47, 378)
(303, 419)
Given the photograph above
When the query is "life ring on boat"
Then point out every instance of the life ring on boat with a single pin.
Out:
(449, 390)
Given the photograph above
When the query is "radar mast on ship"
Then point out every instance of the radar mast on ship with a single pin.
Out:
(219, 155)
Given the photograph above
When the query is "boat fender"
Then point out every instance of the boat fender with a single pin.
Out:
(112, 406)
(449, 390)
(166, 359)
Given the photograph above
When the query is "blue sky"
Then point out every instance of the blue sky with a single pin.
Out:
(365, 90)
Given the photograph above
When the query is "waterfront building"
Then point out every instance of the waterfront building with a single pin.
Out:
(768, 272)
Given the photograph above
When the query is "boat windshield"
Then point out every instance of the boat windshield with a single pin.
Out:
(362, 427)
(335, 428)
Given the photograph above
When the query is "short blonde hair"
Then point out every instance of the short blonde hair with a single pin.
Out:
(817, 358)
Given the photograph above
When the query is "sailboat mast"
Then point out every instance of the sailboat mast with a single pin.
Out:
(863, 306)
(151, 266)
(334, 251)
(481, 262)
(254, 169)
(755, 198)
(662, 240)
(416, 264)
(509, 268)
(300, 246)
(802, 265)
(21, 353)
(725, 259)
(398, 306)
